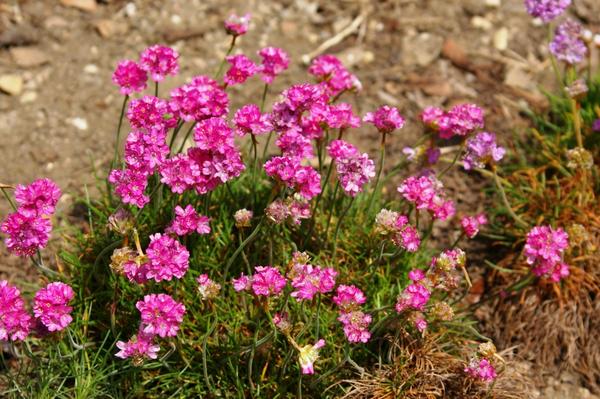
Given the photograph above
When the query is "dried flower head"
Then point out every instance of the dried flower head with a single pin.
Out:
(580, 158)
(208, 288)
(243, 218)
(121, 222)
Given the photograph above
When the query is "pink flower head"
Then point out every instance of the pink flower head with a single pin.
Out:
(329, 70)
(136, 269)
(267, 281)
(241, 69)
(25, 235)
(130, 77)
(386, 119)
(213, 134)
(160, 314)
(426, 192)
(461, 120)
(416, 275)
(545, 244)
(139, 347)
(38, 198)
(293, 208)
(167, 258)
(159, 61)
(472, 224)
(294, 145)
(188, 221)
(420, 323)
(431, 115)
(242, 283)
(481, 369)
(567, 45)
(354, 170)
(237, 26)
(443, 270)
(200, 99)
(356, 326)
(15, 322)
(304, 179)
(130, 185)
(146, 150)
(274, 61)
(150, 113)
(179, 173)
(249, 120)
(215, 167)
(51, 306)
(309, 355)
(348, 298)
(340, 116)
(308, 280)
(415, 296)
(546, 10)
(481, 150)
(207, 288)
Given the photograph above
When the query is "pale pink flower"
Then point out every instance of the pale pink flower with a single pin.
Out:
(237, 26)
(160, 315)
(309, 355)
(356, 326)
(242, 283)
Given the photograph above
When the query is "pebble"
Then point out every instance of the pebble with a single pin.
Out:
(481, 23)
(28, 97)
(27, 57)
(493, 3)
(501, 39)
(92, 69)
(130, 10)
(84, 5)
(422, 49)
(11, 84)
(79, 123)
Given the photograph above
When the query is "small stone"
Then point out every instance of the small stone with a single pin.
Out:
(79, 123)
(493, 3)
(83, 5)
(130, 10)
(27, 57)
(481, 23)
(92, 69)
(422, 49)
(176, 19)
(501, 39)
(28, 97)
(11, 84)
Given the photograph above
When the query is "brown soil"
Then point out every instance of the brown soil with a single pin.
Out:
(407, 53)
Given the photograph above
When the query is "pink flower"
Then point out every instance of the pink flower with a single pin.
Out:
(308, 280)
(187, 221)
(340, 116)
(294, 145)
(415, 296)
(167, 258)
(136, 269)
(472, 224)
(150, 113)
(295, 208)
(309, 355)
(130, 185)
(146, 150)
(481, 369)
(215, 167)
(426, 192)
(274, 61)
(37, 199)
(481, 150)
(139, 347)
(443, 270)
(159, 61)
(237, 26)
(241, 69)
(179, 173)
(430, 116)
(420, 323)
(332, 74)
(304, 179)
(15, 322)
(340, 149)
(200, 99)
(248, 120)
(25, 235)
(130, 77)
(544, 249)
(354, 170)
(207, 288)
(546, 10)
(242, 283)
(416, 275)
(160, 315)
(461, 120)
(356, 326)
(348, 298)
(567, 45)
(267, 281)
(386, 119)
(51, 306)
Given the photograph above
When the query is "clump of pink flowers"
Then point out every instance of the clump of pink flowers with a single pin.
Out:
(461, 120)
(386, 119)
(241, 69)
(267, 281)
(200, 99)
(472, 224)
(482, 150)
(38, 198)
(188, 221)
(426, 192)
(160, 315)
(139, 348)
(150, 113)
(236, 25)
(546, 10)
(167, 258)
(544, 250)
(249, 120)
(15, 321)
(354, 169)
(481, 366)
(309, 280)
(274, 62)
(159, 61)
(356, 323)
(304, 179)
(333, 75)
(51, 306)
(130, 77)
(396, 226)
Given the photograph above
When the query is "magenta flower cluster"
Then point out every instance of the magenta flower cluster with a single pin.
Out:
(482, 149)
(150, 113)
(15, 322)
(481, 369)
(305, 180)
(386, 119)
(200, 99)
(309, 280)
(333, 75)
(546, 10)
(160, 315)
(567, 44)
(241, 69)
(426, 192)
(236, 25)
(461, 120)
(544, 250)
(28, 228)
(159, 61)
(188, 221)
(354, 169)
(167, 258)
(51, 306)
(274, 62)
(398, 228)
(356, 323)
(249, 120)
(472, 224)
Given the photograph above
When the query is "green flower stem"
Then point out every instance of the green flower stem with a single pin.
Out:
(222, 64)
(339, 224)
(117, 143)
(335, 190)
(460, 150)
(180, 123)
(577, 122)
(247, 241)
(381, 163)
(316, 205)
(10, 200)
(187, 135)
(155, 89)
(264, 97)
(512, 214)
(204, 363)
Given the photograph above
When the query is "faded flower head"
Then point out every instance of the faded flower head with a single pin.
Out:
(309, 355)
(121, 221)
(243, 218)
(580, 158)
(207, 288)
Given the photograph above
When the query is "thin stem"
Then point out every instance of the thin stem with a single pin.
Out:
(180, 124)
(155, 89)
(117, 143)
(381, 163)
(187, 135)
(505, 199)
(222, 64)
(577, 122)
(10, 201)
(337, 186)
(443, 172)
(316, 206)
(264, 97)
(339, 224)
(241, 248)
